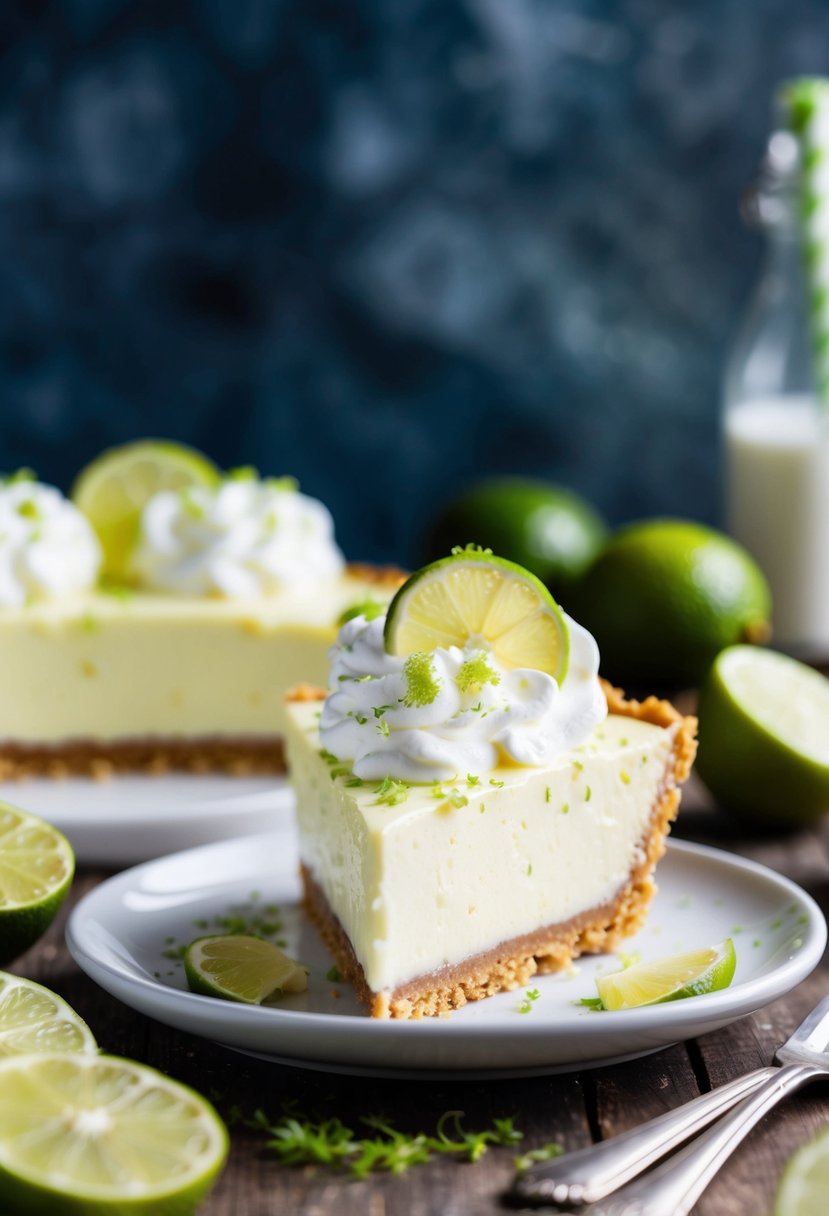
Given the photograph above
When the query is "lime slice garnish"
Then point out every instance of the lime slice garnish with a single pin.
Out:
(36, 868)
(805, 1183)
(90, 1134)
(238, 967)
(669, 979)
(474, 598)
(33, 1019)
(764, 735)
(113, 490)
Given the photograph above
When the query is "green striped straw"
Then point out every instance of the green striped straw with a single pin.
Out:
(805, 107)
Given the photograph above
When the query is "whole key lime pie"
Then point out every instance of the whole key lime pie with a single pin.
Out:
(475, 805)
(166, 634)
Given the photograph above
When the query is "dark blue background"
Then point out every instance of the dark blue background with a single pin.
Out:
(385, 245)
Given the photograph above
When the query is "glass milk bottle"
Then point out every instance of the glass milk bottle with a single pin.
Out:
(776, 432)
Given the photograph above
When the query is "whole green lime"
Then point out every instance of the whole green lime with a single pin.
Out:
(664, 597)
(764, 736)
(550, 531)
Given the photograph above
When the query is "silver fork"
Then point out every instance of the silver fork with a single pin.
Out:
(589, 1175)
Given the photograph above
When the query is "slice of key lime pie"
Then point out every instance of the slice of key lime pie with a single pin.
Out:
(231, 591)
(474, 804)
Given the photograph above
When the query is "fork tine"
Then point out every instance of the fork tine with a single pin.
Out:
(813, 1032)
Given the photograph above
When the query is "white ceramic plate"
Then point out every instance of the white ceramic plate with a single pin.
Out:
(124, 933)
(133, 817)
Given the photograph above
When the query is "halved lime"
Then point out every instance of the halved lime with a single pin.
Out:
(764, 735)
(669, 979)
(804, 1187)
(113, 490)
(36, 868)
(474, 598)
(96, 1134)
(33, 1019)
(240, 967)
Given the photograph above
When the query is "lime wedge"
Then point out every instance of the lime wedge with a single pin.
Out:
(113, 490)
(33, 1019)
(764, 735)
(805, 1183)
(237, 967)
(92, 1134)
(476, 598)
(669, 979)
(36, 868)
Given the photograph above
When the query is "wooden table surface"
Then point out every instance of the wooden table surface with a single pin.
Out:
(573, 1109)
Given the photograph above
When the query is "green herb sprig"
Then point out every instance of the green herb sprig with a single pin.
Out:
(297, 1140)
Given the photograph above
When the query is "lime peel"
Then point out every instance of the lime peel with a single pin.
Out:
(85, 1134)
(36, 869)
(670, 979)
(115, 487)
(763, 729)
(241, 967)
(33, 1019)
(473, 598)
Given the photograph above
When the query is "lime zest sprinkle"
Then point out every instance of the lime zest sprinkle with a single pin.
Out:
(530, 997)
(333, 975)
(328, 756)
(190, 505)
(594, 1003)
(13, 479)
(565, 809)
(287, 484)
(390, 792)
(422, 685)
(457, 550)
(29, 509)
(529, 869)
(379, 710)
(354, 783)
(472, 779)
(370, 609)
(587, 793)
(474, 673)
(624, 777)
(383, 728)
(457, 798)
(547, 794)
(245, 472)
(498, 784)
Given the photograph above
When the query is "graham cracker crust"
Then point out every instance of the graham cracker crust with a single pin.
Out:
(390, 577)
(513, 963)
(101, 760)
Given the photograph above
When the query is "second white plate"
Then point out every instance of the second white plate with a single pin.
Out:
(125, 935)
(133, 818)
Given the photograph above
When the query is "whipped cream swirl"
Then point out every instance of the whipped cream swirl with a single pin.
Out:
(480, 715)
(48, 549)
(244, 538)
